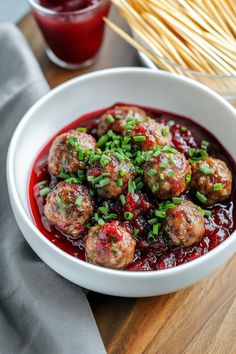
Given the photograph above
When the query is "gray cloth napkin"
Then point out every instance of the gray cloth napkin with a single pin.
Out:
(40, 312)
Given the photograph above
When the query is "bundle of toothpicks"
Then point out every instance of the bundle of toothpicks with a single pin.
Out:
(195, 38)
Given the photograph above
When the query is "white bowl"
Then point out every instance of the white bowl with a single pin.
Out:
(89, 93)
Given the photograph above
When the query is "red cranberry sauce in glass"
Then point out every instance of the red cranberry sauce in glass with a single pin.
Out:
(73, 29)
(160, 254)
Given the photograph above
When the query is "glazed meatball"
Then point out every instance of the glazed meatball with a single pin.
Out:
(111, 179)
(184, 224)
(110, 246)
(212, 179)
(68, 207)
(149, 133)
(166, 175)
(117, 118)
(64, 153)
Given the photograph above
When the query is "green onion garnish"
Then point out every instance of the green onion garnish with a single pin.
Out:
(136, 231)
(160, 214)
(122, 199)
(105, 160)
(131, 186)
(139, 138)
(218, 187)
(43, 192)
(188, 179)
(139, 185)
(78, 201)
(155, 229)
(104, 182)
(64, 175)
(155, 187)
(163, 165)
(81, 129)
(103, 140)
(171, 173)
(184, 129)
(206, 170)
(177, 200)
(119, 156)
(205, 143)
(165, 131)
(171, 123)
(122, 172)
(101, 222)
(128, 215)
(152, 221)
(152, 172)
(162, 177)
(201, 197)
(110, 119)
(119, 182)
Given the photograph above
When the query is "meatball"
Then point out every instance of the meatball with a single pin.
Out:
(110, 246)
(65, 152)
(212, 179)
(148, 134)
(116, 119)
(166, 175)
(184, 224)
(110, 179)
(68, 207)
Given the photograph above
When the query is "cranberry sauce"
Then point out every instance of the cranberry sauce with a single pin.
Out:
(160, 254)
(67, 5)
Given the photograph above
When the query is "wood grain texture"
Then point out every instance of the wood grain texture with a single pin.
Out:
(197, 320)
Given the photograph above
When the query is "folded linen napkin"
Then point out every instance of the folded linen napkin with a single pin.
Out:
(40, 312)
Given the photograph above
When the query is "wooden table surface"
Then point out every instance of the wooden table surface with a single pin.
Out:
(200, 319)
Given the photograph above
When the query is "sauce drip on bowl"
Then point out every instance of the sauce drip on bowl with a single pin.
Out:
(160, 254)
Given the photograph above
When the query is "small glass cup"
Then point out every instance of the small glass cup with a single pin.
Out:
(73, 37)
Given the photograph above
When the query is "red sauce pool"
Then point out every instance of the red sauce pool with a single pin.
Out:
(149, 256)
(73, 38)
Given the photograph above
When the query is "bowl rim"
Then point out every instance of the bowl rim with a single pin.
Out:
(11, 179)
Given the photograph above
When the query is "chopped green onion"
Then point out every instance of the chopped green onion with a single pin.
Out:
(218, 187)
(104, 182)
(171, 173)
(206, 170)
(139, 186)
(81, 129)
(184, 129)
(105, 160)
(207, 213)
(103, 140)
(152, 221)
(160, 214)
(152, 172)
(80, 155)
(119, 156)
(122, 199)
(43, 192)
(165, 131)
(136, 231)
(162, 177)
(78, 201)
(64, 175)
(131, 186)
(42, 183)
(101, 222)
(177, 200)
(155, 229)
(91, 192)
(201, 197)
(163, 165)
(119, 182)
(205, 143)
(128, 215)
(155, 187)
(122, 172)
(118, 117)
(171, 159)
(110, 119)
(188, 179)
(104, 210)
(171, 123)
(72, 180)
(139, 138)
